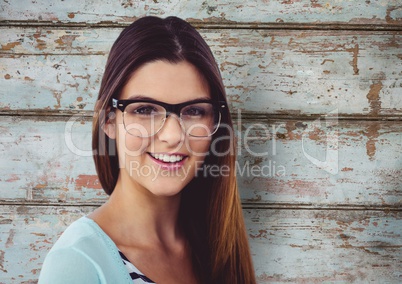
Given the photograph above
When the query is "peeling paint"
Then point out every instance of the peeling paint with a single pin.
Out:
(327, 60)
(10, 45)
(5, 221)
(355, 52)
(10, 242)
(87, 181)
(372, 135)
(13, 178)
(290, 11)
(57, 96)
(261, 234)
(268, 73)
(388, 17)
(65, 42)
(252, 72)
(290, 126)
(374, 99)
(2, 253)
(40, 44)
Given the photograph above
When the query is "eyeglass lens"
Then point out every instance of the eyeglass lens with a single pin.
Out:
(145, 119)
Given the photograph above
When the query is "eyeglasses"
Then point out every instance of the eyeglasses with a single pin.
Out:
(144, 118)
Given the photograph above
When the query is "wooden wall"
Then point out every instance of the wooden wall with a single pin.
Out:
(316, 91)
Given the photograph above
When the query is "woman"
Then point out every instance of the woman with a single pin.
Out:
(161, 122)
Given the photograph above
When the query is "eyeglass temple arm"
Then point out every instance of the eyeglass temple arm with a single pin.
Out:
(117, 105)
(114, 103)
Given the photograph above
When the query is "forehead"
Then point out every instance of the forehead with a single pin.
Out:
(167, 82)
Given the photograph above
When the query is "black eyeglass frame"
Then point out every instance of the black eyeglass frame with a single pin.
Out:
(171, 108)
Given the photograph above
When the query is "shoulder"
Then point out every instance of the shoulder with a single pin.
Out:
(69, 266)
(82, 254)
(79, 235)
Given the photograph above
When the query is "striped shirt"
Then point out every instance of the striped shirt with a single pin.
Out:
(136, 275)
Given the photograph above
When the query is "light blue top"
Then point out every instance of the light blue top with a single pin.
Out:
(84, 254)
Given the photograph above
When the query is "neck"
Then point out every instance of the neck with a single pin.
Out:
(139, 217)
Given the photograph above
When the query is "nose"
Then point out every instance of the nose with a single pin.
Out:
(172, 131)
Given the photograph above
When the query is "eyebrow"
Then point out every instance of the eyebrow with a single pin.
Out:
(142, 97)
(139, 97)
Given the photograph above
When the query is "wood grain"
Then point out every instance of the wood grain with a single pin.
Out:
(48, 159)
(26, 235)
(276, 72)
(39, 161)
(325, 161)
(315, 91)
(298, 246)
(325, 246)
(221, 12)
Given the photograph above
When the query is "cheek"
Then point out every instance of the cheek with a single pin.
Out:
(129, 145)
(136, 145)
(198, 147)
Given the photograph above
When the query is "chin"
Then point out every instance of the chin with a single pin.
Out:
(166, 187)
(165, 192)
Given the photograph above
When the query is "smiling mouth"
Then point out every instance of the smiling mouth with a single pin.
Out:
(167, 158)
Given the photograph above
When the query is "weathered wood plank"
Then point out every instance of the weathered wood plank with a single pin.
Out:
(278, 72)
(322, 162)
(40, 165)
(26, 235)
(304, 11)
(50, 82)
(52, 57)
(304, 246)
(297, 162)
(51, 40)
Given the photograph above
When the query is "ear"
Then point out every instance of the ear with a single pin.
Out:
(110, 126)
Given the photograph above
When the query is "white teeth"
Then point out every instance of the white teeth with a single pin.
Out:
(168, 158)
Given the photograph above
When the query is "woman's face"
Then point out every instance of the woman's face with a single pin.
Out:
(164, 163)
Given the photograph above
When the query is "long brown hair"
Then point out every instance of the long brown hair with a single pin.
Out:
(210, 212)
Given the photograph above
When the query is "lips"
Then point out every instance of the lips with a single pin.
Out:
(168, 158)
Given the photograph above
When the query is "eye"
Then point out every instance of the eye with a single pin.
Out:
(146, 110)
(142, 109)
(194, 111)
